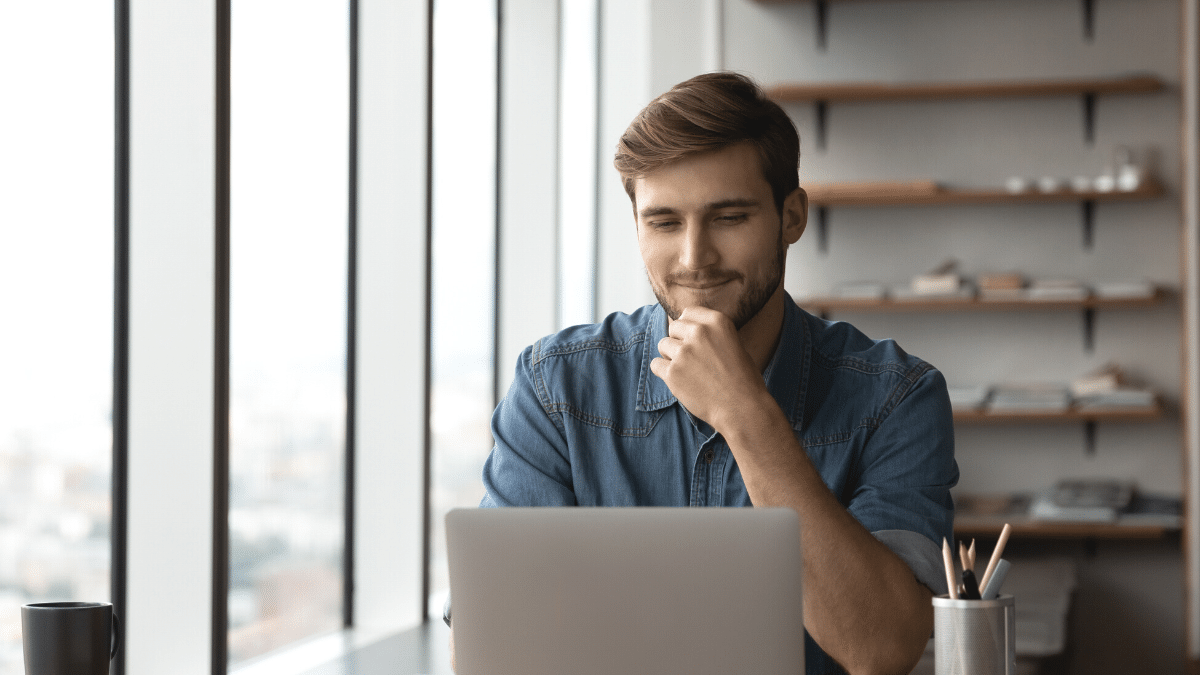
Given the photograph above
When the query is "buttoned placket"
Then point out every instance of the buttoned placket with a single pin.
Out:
(708, 466)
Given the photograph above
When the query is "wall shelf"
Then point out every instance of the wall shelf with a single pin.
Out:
(822, 94)
(1070, 415)
(822, 197)
(1087, 11)
(928, 193)
(823, 305)
(848, 92)
(1024, 527)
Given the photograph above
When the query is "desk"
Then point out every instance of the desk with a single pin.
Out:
(418, 651)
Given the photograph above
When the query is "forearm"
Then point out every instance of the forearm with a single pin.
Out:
(862, 603)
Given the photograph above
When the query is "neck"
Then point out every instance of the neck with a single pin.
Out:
(760, 336)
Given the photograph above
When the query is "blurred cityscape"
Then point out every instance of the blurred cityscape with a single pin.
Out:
(285, 508)
(54, 534)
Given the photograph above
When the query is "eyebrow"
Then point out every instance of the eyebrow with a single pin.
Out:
(711, 206)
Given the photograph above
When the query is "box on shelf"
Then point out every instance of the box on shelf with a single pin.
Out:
(1091, 499)
(1057, 290)
(1108, 388)
(1124, 290)
(1029, 398)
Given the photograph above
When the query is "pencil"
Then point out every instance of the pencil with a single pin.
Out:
(948, 559)
(971, 554)
(991, 567)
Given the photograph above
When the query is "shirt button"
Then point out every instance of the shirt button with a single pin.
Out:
(709, 456)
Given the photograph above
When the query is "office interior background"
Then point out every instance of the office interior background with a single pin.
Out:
(241, 390)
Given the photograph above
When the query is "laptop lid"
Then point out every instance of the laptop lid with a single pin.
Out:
(546, 591)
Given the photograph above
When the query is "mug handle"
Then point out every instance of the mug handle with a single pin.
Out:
(116, 638)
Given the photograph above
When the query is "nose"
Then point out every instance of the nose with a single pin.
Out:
(697, 250)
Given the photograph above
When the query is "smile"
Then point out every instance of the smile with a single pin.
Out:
(705, 286)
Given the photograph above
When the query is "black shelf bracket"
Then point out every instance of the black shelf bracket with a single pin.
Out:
(1089, 329)
(1089, 438)
(1089, 117)
(1089, 20)
(823, 229)
(1088, 209)
(820, 112)
(822, 23)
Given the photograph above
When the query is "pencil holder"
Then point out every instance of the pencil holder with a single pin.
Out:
(974, 637)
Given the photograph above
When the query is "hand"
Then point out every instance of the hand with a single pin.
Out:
(704, 364)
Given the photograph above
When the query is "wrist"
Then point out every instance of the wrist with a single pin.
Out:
(754, 412)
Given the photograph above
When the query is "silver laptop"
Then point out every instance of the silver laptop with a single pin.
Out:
(547, 591)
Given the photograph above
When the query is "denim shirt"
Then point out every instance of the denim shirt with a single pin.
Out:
(587, 423)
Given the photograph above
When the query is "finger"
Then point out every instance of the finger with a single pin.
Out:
(659, 366)
(669, 347)
(700, 313)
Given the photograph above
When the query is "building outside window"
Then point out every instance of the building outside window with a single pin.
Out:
(56, 308)
(464, 223)
(288, 300)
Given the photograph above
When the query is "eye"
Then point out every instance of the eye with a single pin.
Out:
(662, 224)
(731, 218)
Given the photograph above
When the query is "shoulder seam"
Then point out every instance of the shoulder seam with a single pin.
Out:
(589, 345)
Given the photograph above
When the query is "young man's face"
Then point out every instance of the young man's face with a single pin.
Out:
(710, 235)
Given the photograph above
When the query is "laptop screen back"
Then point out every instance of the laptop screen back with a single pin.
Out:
(626, 590)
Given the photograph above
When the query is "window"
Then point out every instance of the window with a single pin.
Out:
(464, 223)
(56, 266)
(577, 166)
(288, 290)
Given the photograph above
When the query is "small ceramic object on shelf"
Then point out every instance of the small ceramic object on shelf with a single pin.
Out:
(1129, 174)
(1050, 184)
(1105, 182)
(1017, 184)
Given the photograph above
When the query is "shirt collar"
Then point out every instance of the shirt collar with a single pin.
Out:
(786, 374)
(653, 393)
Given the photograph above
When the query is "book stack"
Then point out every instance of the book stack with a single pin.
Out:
(1022, 399)
(1052, 290)
(942, 283)
(1125, 290)
(1003, 286)
(1106, 389)
(1090, 500)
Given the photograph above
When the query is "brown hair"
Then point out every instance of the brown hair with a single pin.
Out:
(707, 113)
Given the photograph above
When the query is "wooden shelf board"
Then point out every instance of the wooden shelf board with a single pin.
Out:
(846, 195)
(910, 91)
(1071, 415)
(1026, 527)
(829, 304)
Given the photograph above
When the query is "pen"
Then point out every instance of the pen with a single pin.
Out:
(948, 559)
(991, 567)
(970, 586)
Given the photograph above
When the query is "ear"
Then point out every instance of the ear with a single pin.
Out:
(795, 215)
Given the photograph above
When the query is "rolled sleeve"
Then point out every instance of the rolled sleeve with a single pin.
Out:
(921, 555)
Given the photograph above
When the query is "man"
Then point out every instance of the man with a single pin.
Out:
(726, 393)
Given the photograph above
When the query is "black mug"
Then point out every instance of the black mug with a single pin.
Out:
(69, 638)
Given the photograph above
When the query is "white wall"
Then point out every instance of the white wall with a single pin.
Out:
(651, 44)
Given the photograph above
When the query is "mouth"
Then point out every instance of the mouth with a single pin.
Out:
(704, 284)
(703, 287)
